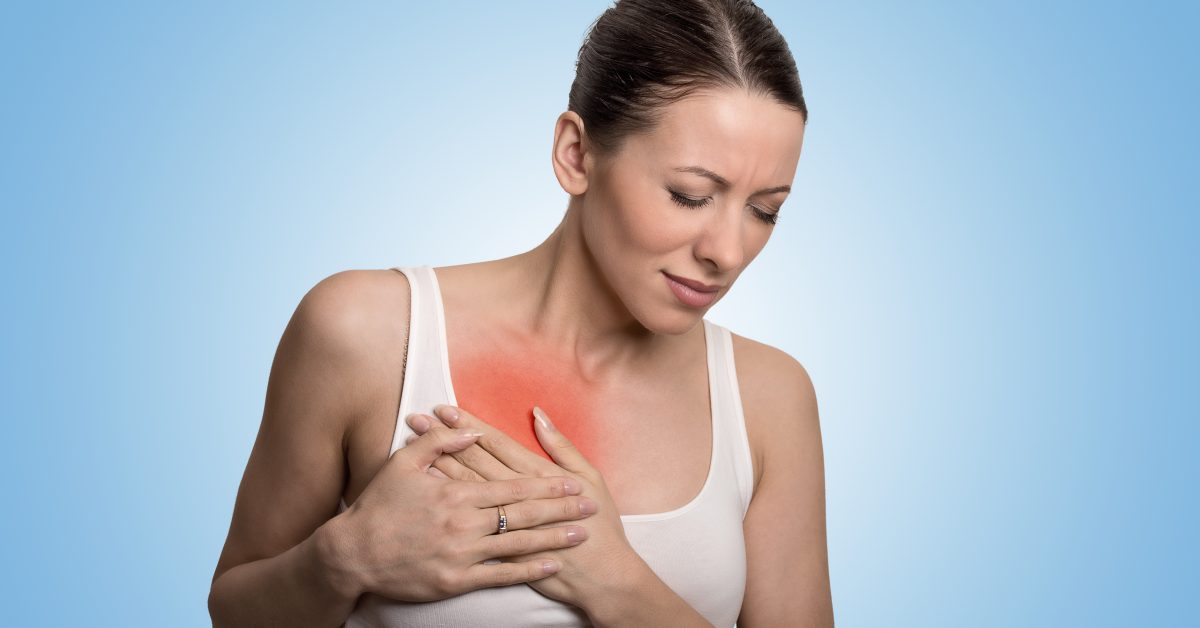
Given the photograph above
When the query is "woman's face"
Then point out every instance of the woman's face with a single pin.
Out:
(693, 199)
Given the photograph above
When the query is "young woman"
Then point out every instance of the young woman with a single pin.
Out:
(674, 473)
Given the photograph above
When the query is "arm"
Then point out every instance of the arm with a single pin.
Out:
(286, 562)
(643, 599)
(279, 564)
(787, 579)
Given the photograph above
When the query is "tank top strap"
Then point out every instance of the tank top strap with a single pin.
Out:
(426, 369)
(728, 415)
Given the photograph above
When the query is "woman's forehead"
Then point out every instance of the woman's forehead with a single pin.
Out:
(732, 132)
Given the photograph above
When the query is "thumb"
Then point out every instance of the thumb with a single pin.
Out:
(560, 448)
(424, 451)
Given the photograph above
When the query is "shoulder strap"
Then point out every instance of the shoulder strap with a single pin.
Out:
(426, 370)
(728, 411)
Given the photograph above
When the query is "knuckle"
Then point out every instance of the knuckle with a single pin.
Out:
(472, 476)
(457, 493)
(518, 512)
(506, 574)
(518, 492)
(519, 544)
(446, 582)
(454, 526)
(468, 457)
(458, 554)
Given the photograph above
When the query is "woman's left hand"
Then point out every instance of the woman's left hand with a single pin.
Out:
(589, 572)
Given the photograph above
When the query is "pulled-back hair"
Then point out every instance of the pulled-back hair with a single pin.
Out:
(641, 55)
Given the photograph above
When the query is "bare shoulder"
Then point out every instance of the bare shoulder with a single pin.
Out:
(330, 370)
(349, 318)
(779, 402)
(349, 308)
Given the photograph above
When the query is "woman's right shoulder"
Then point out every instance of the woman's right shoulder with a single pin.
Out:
(355, 324)
(350, 309)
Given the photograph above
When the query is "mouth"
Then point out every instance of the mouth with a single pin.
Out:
(689, 295)
(692, 283)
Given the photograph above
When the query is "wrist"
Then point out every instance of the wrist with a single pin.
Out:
(332, 556)
(623, 593)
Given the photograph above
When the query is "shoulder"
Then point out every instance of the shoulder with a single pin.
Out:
(343, 309)
(779, 403)
(344, 324)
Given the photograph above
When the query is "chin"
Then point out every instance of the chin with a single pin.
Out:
(677, 323)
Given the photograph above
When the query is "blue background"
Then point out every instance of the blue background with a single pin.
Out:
(988, 267)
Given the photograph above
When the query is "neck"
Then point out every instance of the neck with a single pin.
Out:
(557, 295)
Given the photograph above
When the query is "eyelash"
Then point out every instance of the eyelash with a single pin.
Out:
(770, 218)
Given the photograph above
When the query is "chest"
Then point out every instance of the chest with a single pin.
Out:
(649, 433)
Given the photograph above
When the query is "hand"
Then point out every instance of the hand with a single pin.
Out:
(415, 537)
(588, 570)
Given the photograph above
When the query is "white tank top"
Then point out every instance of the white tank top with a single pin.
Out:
(697, 549)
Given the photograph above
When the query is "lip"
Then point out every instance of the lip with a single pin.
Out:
(688, 295)
(693, 284)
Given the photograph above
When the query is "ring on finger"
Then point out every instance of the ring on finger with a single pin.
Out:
(502, 525)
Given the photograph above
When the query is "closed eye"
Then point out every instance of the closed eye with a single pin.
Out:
(687, 201)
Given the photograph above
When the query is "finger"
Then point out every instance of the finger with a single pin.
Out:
(521, 543)
(478, 459)
(423, 451)
(481, 459)
(560, 448)
(534, 513)
(436, 470)
(445, 466)
(451, 468)
(508, 492)
(512, 454)
(504, 574)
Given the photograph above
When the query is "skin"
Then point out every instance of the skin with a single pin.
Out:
(499, 383)
(585, 326)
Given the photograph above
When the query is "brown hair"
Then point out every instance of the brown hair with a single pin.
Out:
(640, 55)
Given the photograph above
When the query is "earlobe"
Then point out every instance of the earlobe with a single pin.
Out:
(570, 157)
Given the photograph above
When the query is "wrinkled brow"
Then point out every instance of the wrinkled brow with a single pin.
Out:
(724, 183)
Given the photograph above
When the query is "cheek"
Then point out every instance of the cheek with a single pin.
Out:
(502, 386)
(643, 221)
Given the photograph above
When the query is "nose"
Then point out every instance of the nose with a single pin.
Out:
(720, 244)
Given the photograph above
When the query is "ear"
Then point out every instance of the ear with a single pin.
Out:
(571, 157)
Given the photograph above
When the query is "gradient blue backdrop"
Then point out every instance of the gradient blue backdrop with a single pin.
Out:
(988, 267)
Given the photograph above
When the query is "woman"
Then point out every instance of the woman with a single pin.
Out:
(675, 476)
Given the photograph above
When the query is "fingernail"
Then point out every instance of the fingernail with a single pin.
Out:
(465, 434)
(549, 566)
(575, 535)
(571, 486)
(418, 422)
(410, 439)
(587, 506)
(449, 414)
(542, 418)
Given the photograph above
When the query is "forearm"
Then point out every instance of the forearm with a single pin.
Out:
(643, 599)
(300, 587)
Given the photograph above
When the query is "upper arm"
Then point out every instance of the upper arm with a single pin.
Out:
(320, 381)
(787, 579)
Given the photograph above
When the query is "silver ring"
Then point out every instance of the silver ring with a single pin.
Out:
(502, 527)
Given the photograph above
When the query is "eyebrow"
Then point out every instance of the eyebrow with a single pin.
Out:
(724, 183)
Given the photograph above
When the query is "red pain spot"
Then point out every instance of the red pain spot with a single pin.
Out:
(502, 386)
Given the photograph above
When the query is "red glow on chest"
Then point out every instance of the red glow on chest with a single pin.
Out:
(501, 388)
